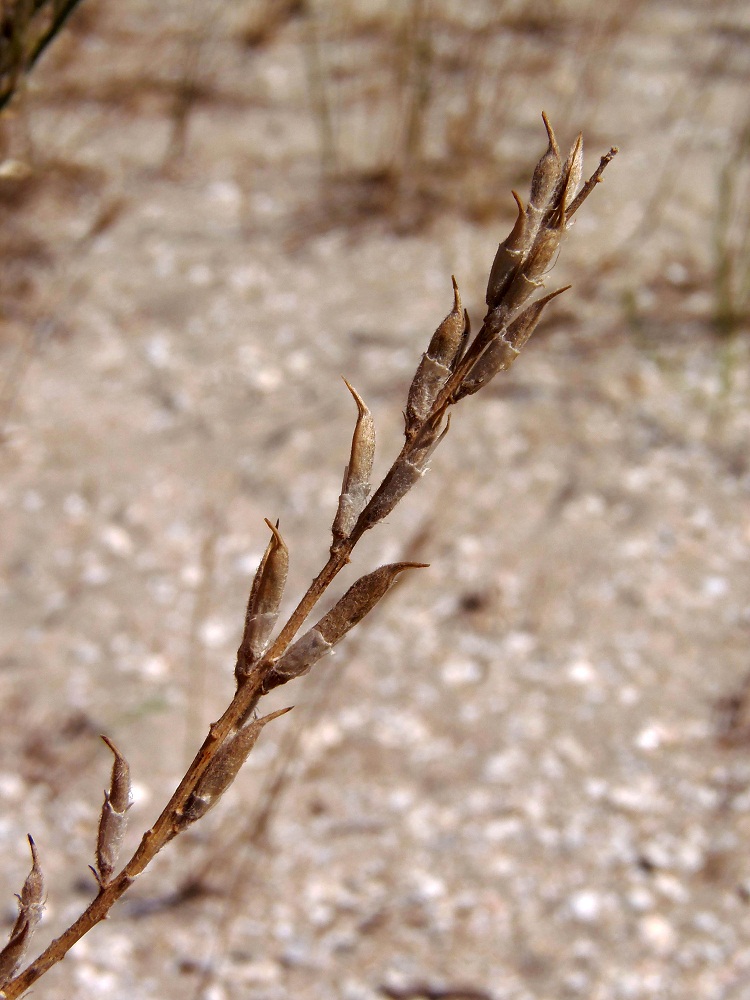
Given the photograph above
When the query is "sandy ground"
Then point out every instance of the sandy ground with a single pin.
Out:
(526, 776)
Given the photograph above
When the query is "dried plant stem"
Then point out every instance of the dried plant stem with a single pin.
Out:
(26, 47)
(451, 368)
(591, 183)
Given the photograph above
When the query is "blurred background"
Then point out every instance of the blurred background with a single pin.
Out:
(526, 776)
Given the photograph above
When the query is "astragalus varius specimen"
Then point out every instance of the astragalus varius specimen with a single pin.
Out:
(454, 366)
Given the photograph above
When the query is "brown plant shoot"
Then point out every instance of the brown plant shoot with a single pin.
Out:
(453, 366)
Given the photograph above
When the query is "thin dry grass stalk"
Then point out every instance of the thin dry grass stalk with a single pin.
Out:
(28, 27)
(453, 366)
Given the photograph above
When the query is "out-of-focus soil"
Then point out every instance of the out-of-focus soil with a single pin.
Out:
(526, 776)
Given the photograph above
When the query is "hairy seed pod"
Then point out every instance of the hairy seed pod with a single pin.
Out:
(571, 177)
(498, 357)
(356, 486)
(437, 363)
(446, 340)
(506, 346)
(360, 599)
(357, 602)
(464, 341)
(224, 768)
(113, 820)
(300, 656)
(419, 456)
(30, 907)
(546, 173)
(545, 247)
(507, 258)
(263, 603)
(520, 289)
(522, 328)
(32, 894)
(397, 483)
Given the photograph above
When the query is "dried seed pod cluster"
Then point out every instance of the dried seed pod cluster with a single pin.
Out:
(522, 261)
(30, 906)
(453, 366)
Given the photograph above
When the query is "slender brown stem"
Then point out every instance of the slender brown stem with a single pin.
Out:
(151, 843)
(422, 435)
(62, 12)
(591, 183)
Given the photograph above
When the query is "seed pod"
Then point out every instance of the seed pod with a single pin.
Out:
(360, 599)
(464, 341)
(223, 769)
(357, 602)
(546, 173)
(446, 340)
(113, 820)
(397, 483)
(522, 328)
(30, 907)
(521, 288)
(498, 357)
(437, 363)
(505, 348)
(263, 603)
(545, 247)
(572, 173)
(507, 258)
(300, 656)
(356, 486)
(531, 276)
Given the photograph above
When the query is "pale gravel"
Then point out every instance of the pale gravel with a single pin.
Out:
(516, 784)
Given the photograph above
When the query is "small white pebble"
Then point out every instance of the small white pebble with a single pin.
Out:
(267, 379)
(214, 633)
(75, 506)
(582, 672)
(629, 695)
(658, 934)
(117, 540)
(585, 905)
(95, 574)
(596, 788)
(671, 888)
(428, 886)
(676, 273)
(11, 787)
(324, 736)
(649, 738)
(225, 193)
(158, 350)
(521, 643)
(154, 667)
(715, 586)
(191, 575)
(457, 673)
(32, 501)
(640, 899)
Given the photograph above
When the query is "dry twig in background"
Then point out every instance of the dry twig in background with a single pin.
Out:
(453, 366)
(27, 28)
